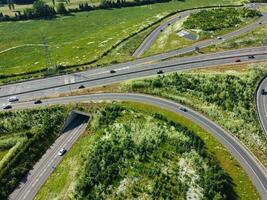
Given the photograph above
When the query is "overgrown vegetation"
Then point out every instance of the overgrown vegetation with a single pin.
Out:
(25, 135)
(225, 98)
(218, 19)
(148, 156)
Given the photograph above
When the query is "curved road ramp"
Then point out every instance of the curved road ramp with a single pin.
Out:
(75, 125)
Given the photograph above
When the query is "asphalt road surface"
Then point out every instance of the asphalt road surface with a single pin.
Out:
(261, 101)
(254, 169)
(145, 63)
(67, 83)
(29, 187)
(149, 40)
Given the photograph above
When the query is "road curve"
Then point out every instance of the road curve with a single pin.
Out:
(147, 43)
(67, 83)
(254, 169)
(261, 103)
(149, 40)
(31, 184)
(38, 84)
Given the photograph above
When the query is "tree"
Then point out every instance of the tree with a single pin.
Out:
(61, 9)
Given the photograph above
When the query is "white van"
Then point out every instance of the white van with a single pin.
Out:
(13, 99)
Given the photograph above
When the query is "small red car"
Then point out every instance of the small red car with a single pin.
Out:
(238, 60)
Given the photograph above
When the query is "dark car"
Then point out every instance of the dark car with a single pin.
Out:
(112, 71)
(237, 60)
(169, 24)
(160, 72)
(8, 106)
(81, 87)
(251, 57)
(183, 109)
(161, 30)
(262, 91)
(197, 48)
(260, 23)
(38, 101)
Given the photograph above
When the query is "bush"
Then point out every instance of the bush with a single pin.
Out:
(138, 150)
(61, 9)
(218, 19)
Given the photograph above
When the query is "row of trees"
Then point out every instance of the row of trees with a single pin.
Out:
(39, 10)
(42, 10)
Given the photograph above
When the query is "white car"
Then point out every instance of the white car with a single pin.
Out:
(62, 151)
(13, 99)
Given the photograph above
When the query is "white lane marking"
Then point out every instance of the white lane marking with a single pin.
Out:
(32, 184)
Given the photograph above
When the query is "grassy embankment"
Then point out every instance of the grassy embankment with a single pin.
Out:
(25, 134)
(62, 183)
(227, 98)
(94, 34)
(255, 38)
(203, 24)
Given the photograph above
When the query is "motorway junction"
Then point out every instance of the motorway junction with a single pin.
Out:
(71, 88)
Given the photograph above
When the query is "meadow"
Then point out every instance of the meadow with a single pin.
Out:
(78, 38)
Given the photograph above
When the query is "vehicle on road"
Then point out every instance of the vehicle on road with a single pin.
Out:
(263, 91)
(81, 87)
(13, 99)
(238, 60)
(38, 101)
(161, 30)
(183, 109)
(112, 71)
(251, 57)
(160, 72)
(6, 106)
(219, 38)
(62, 151)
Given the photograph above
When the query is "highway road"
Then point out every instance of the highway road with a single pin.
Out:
(47, 85)
(150, 39)
(29, 187)
(254, 169)
(261, 102)
(139, 68)
(44, 87)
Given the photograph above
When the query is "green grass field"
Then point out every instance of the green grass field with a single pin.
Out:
(169, 40)
(80, 38)
(61, 184)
